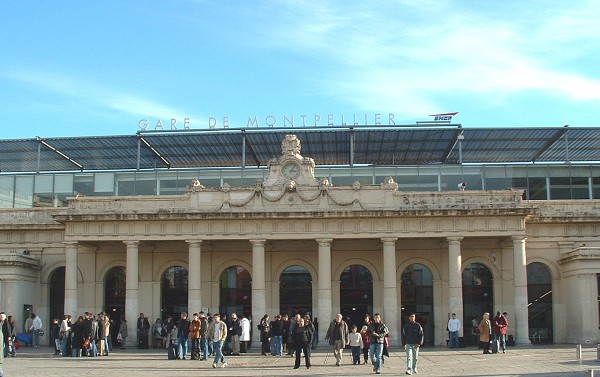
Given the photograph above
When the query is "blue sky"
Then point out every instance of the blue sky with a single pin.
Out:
(87, 68)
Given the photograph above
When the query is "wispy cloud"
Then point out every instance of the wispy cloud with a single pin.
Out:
(95, 95)
(402, 56)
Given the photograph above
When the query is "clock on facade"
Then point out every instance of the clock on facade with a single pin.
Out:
(290, 170)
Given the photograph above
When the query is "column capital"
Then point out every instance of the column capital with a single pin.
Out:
(324, 241)
(193, 242)
(389, 240)
(258, 242)
(131, 243)
(519, 238)
(454, 240)
(71, 243)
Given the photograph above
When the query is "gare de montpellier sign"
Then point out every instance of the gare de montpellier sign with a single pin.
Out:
(271, 121)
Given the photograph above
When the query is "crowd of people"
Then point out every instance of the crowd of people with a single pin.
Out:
(206, 335)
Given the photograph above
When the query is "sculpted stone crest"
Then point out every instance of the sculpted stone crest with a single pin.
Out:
(290, 146)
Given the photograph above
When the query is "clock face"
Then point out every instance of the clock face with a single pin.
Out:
(290, 170)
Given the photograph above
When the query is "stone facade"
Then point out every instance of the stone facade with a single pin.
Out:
(283, 222)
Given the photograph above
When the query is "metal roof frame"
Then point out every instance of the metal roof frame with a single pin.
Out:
(329, 146)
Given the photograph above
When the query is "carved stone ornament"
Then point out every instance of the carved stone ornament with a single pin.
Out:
(195, 186)
(290, 146)
(324, 183)
(389, 184)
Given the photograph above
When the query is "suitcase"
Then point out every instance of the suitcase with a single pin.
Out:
(173, 348)
(495, 346)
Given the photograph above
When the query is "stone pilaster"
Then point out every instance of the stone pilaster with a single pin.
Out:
(390, 289)
(520, 281)
(71, 278)
(455, 299)
(194, 276)
(132, 290)
(259, 298)
(324, 300)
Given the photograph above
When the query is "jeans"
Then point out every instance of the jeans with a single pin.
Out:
(356, 355)
(218, 350)
(315, 339)
(36, 338)
(204, 347)
(183, 345)
(277, 345)
(454, 343)
(376, 354)
(412, 357)
(502, 339)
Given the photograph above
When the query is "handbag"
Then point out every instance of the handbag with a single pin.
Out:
(87, 343)
(41, 332)
(119, 338)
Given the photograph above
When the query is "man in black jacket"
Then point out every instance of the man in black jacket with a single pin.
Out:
(143, 326)
(183, 333)
(412, 338)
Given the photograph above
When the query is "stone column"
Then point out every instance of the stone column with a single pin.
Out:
(194, 276)
(455, 299)
(132, 288)
(259, 297)
(71, 279)
(521, 322)
(325, 305)
(390, 290)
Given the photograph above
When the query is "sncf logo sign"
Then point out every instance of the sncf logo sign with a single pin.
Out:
(446, 117)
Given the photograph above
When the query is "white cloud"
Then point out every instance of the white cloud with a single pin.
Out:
(92, 94)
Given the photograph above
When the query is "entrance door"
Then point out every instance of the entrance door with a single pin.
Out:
(356, 294)
(478, 293)
(114, 299)
(235, 292)
(295, 291)
(174, 292)
(417, 297)
(57, 298)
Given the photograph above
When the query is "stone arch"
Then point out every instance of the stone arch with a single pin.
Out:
(485, 262)
(432, 267)
(47, 271)
(160, 270)
(110, 265)
(363, 262)
(294, 262)
(230, 263)
(554, 271)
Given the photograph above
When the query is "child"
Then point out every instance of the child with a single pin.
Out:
(356, 344)
(173, 344)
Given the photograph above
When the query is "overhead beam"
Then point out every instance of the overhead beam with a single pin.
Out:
(53, 149)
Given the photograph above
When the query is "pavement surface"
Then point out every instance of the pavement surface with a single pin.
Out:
(554, 360)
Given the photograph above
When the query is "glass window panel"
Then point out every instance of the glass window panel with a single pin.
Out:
(537, 189)
(24, 191)
(104, 183)
(44, 183)
(560, 188)
(63, 183)
(6, 191)
(83, 184)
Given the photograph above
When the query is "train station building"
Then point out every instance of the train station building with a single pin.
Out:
(434, 219)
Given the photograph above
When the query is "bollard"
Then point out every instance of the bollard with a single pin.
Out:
(578, 352)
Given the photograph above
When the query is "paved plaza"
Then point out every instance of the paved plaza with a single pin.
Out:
(556, 360)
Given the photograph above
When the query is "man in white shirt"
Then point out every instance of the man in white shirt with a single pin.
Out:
(36, 327)
(453, 329)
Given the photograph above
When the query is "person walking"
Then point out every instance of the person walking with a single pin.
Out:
(195, 326)
(337, 335)
(356, 343)
(245, 336)
(143, 326)
(183, 333)
(485, 332)
(265, 330)
(500, 325)
(217, 333)
(203, 335)
(302, 337)
(454, 329)
(123, 332)
(36, 328)
(377, 332)
(412, 338)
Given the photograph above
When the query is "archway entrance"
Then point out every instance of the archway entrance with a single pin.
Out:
(478, 293)
(174, 292)
(235, 286)
(417, 297)
(539, 298)
(114, 298)
(56, 298)
(295, 291)
(356, 294)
